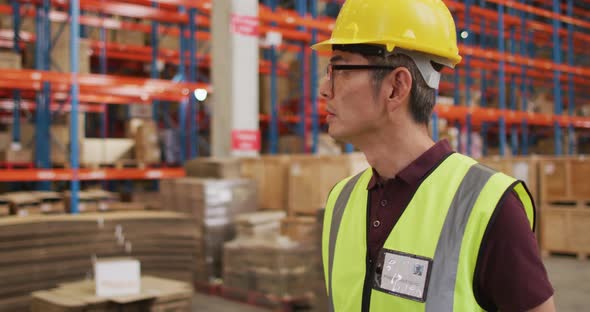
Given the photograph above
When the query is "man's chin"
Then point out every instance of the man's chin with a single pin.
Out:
(337, 135)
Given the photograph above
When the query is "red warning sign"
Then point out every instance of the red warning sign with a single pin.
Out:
(245, 140)
(244, 25)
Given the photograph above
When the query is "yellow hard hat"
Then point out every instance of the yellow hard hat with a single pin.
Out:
(426, 26)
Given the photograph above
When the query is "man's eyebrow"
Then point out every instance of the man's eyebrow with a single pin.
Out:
(336, 58)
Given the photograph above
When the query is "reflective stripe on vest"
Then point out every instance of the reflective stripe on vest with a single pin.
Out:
(444, 269)
(451, 264)
(336, 218)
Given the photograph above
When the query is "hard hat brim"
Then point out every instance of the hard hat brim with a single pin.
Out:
(326, 46)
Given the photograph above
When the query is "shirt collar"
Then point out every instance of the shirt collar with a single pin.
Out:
(417, 169)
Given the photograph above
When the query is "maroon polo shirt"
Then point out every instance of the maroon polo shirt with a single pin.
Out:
(510, 274)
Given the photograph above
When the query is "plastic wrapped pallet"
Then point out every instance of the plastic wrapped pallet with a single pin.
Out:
(214, 203)
(259, 225)
(259, 264)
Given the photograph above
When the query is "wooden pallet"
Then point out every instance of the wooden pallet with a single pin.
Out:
(13, 165)
(582, 256)
(120, 164)
(564, 228)
(564, 179)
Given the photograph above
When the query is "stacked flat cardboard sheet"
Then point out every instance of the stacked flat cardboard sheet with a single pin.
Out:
(40, 252)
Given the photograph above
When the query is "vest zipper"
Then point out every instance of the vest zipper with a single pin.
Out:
(366, 303)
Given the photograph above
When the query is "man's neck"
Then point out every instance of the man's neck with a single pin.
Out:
(389, 152)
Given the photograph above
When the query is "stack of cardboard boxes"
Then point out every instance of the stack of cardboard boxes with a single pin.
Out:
(261, 260)
(213, 196)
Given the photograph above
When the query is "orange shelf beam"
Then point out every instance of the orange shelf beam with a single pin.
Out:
(291, 19)
(30, 105)
(13, 175)
(481, 114)
(109, 84)
(541, 12)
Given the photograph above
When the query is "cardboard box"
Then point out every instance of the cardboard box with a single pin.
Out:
(60, 56)
(147, 146)
(271, 174)
(311, 178)
(117, 277)
(23, 155)
(213, 167)
(301, 229)
(10, 60)
(129, 37)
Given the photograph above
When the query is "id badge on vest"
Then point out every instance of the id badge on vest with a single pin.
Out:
(401, 274)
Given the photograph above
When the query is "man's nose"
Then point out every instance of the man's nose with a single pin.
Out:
(325, 88)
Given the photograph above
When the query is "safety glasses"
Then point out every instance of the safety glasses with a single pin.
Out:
(331, 68)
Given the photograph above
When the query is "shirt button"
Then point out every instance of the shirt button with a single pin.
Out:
(376, 223)
(383, 203)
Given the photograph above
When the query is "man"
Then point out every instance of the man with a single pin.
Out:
(424, 229)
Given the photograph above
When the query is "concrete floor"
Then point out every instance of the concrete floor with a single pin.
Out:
(204, 303)
(570, 278)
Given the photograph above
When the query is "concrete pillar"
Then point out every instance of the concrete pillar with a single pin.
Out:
(235, 53)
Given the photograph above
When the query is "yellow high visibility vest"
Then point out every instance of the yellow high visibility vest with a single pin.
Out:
(428, 261)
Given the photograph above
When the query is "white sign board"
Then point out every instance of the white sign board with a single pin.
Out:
(117, 277)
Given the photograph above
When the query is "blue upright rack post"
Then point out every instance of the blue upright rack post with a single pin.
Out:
(302, 10)
(182, 111)
(483, 101)
(558, 106)
(468, 78)
(154, 73)
(102, 59)
(315, 128)
(43, 113)
(16, 95)
(523, 90)
(74, 57)
(502, 79)
(570, 91)
(273, 131)
(512, 83)
(192, 74)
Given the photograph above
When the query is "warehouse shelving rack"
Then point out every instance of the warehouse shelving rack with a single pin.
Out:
(486, 22)
(95, 90)
(498, 24)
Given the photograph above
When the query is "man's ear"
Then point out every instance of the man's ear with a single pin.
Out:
(399, 86)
